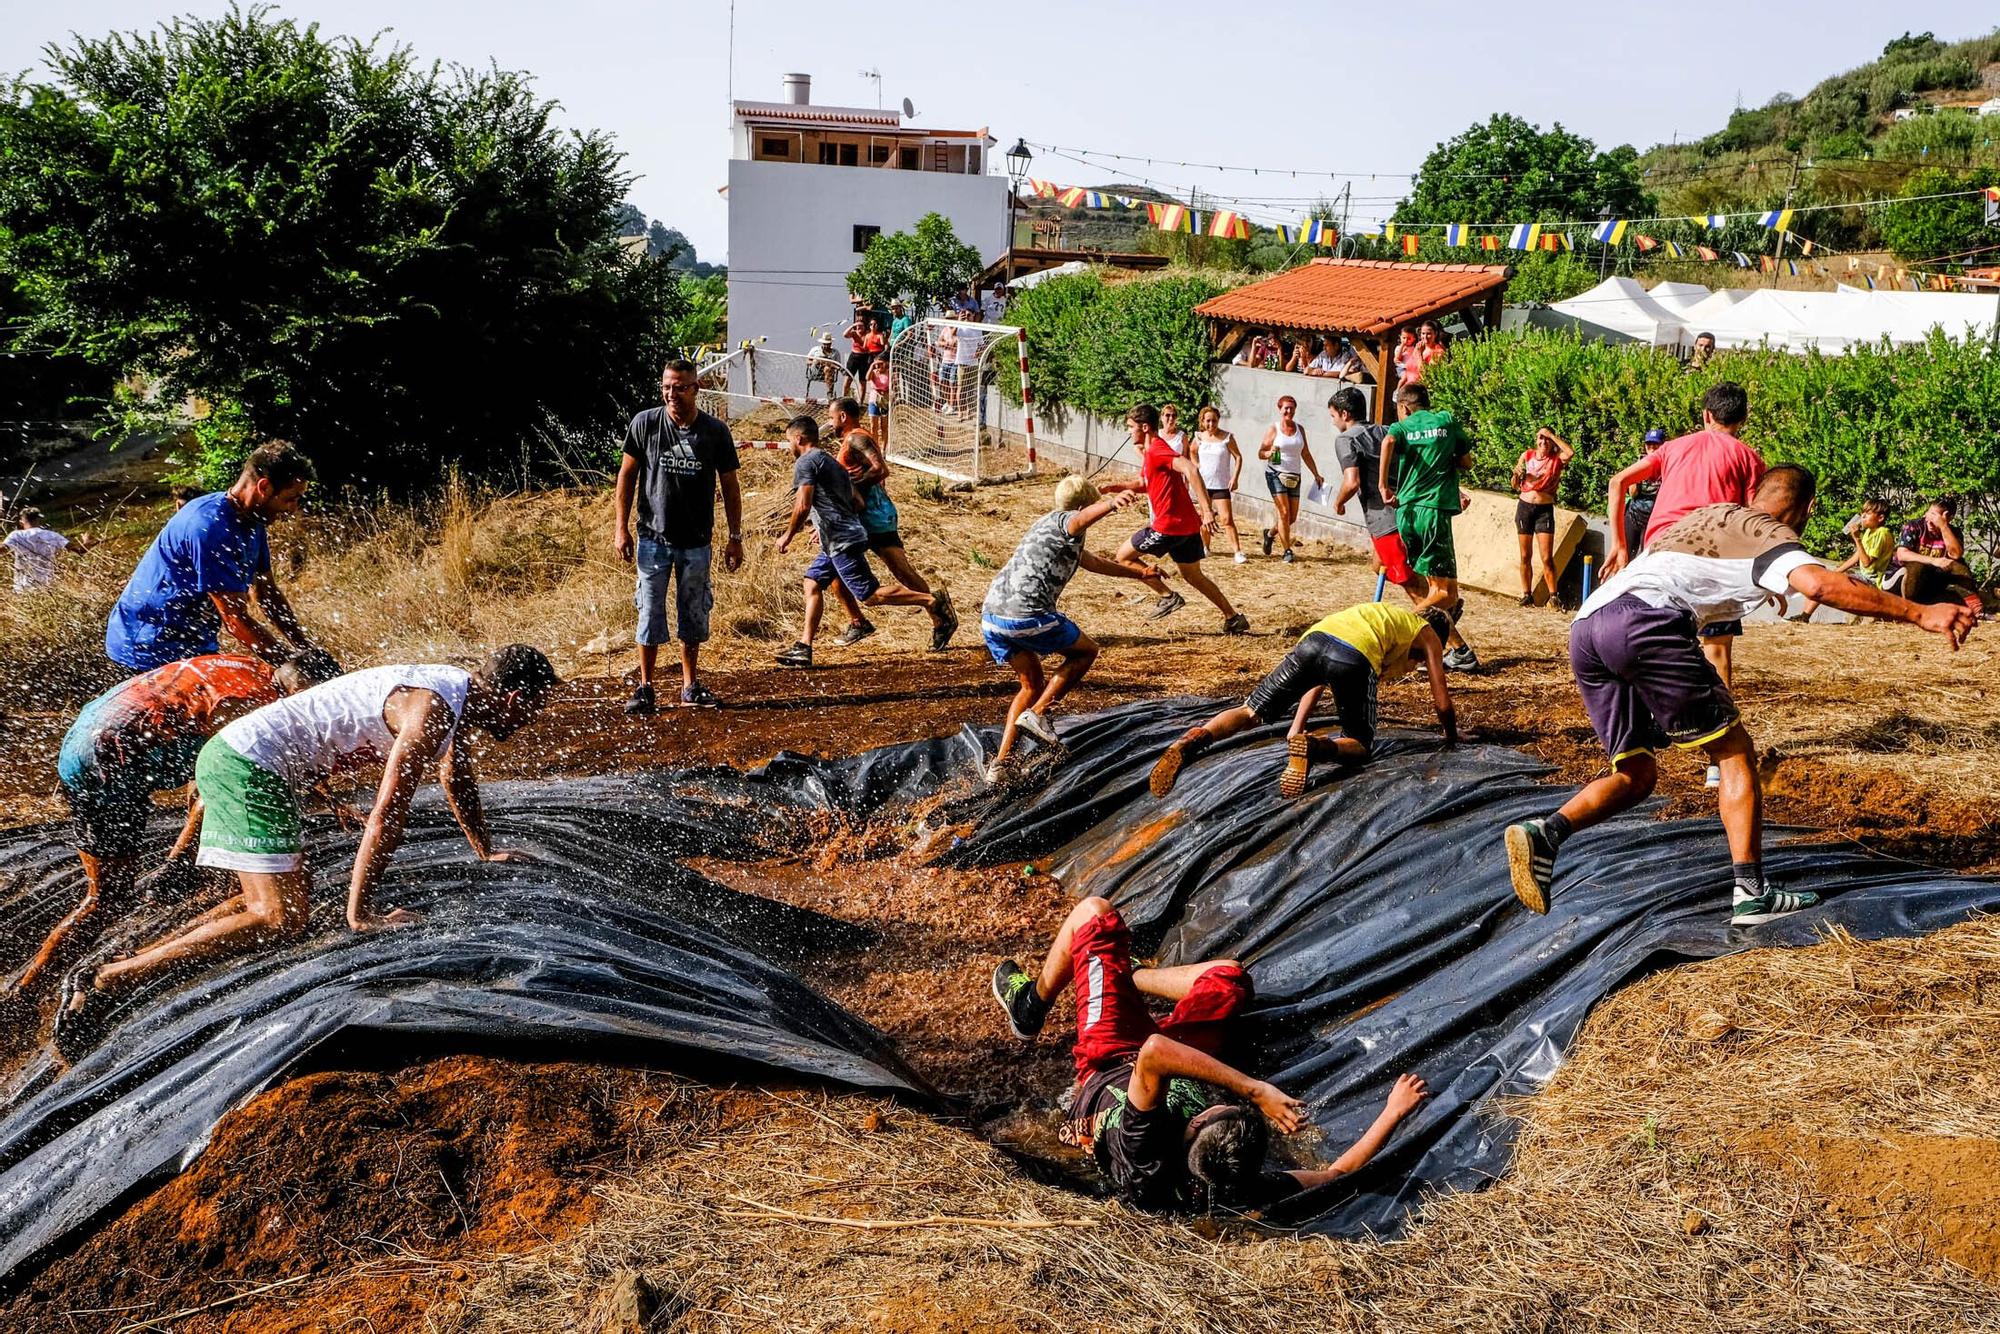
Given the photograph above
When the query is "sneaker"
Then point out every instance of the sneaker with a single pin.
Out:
(1270, 540)
(1014, 988)
(80, 1014)
(699, 696)
(947, 622)
(1527, 599)
(1031, 723)
(1239, 624)
(1298, 766)
(1771, 903)
(1532, 864)
(1713, 777)
(1288, 557)
(1242, 559)
(998, 770)
(642, 703)
(798, 655)
(1166, 605)
(1168, 767)
(1461, 660)
(854, 634)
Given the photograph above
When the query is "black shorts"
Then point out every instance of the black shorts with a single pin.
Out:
(1533, 518)
(109, 825)
(885, 541)
(1218, 492)
(1183, 550)
(1722, 630)
(858, 363)
(1320, 660)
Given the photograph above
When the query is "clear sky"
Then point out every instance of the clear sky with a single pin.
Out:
(1354, 89)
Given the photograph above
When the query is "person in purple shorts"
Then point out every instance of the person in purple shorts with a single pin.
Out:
(1019, 620)
(1637, 656)
(826, 496)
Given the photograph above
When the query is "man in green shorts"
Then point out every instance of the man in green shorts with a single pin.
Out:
(1431, 449)
(252, 773)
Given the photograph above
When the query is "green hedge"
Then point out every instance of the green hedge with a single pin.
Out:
(1101, 347)
(1907, 423)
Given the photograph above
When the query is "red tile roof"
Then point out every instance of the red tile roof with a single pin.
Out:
(1368, 296)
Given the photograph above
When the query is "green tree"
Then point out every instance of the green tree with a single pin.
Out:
(1507, 170)
(706, 318)
(924, 266)
(1940, 230)
(399, 266)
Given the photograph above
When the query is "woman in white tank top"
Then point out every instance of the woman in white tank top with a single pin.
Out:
(1287, 458)
(1220, 463)
(1170, 428)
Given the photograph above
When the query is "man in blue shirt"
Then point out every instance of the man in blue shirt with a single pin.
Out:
(205, 568)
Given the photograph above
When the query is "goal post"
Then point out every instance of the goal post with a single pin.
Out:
(948, 415)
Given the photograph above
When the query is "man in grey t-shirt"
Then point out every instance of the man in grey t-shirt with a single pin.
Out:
(1358, 450)
(825, 494)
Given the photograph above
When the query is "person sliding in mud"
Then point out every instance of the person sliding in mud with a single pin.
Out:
(826, 495)
(141, 737)
(1180, 515)
(1173, 1126)
(1646, 681)
(250, 776)
(1019, 620)
(1347, 653)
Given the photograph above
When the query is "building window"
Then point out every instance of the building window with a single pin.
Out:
(906, 159)
(863, 234)
(972, 162)
(840, 155)
(774, 147)
(878, 153)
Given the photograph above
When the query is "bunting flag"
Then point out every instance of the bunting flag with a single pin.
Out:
(1455, 233)
(1644, 243)
(1777, 220)
(1410, 244)
(1742, 260)
(1610, 233)
(1716, 221)
(1042, 189)
(1806, 247)
(1321, 232)
(1993, 193)
(1566, 241)
(1674, 249)
(1489, 242)
(1706, 253)
(1388, 231)
(1229, 226)
(1791, 268)
(1525, 236)
(1078, 197)
(1766, 263)
(1170, 217)
(1290, 235)
(1126, 201)
(1870, 281)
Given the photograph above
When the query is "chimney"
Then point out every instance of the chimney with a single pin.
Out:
(798, 89)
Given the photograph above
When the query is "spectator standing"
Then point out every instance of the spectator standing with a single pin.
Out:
(944, 367)
(1639, 500)
(1409, 359)
(970, 343)
(206, 568)
(1932, 554)
(1220, 464)
(36, 548)
(676, 459)
(1287, 458)
(1431, 347)
(822, 367)
(874, 343)
(1704, 352)
(1535, 477)
(858, 355)
(900, 321)
(1170, 428)
(877, 398)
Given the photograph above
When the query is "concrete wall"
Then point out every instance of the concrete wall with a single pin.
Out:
(791, 237)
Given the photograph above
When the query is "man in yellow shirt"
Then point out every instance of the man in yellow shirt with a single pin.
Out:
(1346, 653)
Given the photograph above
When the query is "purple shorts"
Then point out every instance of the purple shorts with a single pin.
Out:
(850, 567)
(1644, 680)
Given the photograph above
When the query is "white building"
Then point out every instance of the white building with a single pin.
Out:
(810, 185)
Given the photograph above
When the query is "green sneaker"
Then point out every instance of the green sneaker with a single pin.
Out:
(1014, 988)
(1771, 903)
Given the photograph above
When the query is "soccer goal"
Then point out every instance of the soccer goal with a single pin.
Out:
(763, 382)
(950, 410)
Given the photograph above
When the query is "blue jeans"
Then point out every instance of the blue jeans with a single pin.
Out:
(687, 569)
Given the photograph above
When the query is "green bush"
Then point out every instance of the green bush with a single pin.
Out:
(1101, 347)
(1907, 423)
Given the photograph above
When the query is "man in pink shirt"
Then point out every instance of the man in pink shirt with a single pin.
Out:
(1710, 467)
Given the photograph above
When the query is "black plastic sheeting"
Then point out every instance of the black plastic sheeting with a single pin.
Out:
(1387, 887)
(605, 948)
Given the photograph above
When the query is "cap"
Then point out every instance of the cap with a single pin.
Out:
(1656, 436)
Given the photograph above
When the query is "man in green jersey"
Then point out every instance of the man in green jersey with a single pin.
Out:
(1422, 456)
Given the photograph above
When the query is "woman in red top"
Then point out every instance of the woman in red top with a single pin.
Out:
(1535, 478)
(1430, 342)
(1409, 359)
(1180, 513)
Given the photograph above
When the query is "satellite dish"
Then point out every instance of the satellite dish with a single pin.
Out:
(909, 111)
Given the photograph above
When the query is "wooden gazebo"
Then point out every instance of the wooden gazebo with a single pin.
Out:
(1367, 301)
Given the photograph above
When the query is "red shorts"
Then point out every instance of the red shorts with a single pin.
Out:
(1395, 560)
(1112, 1021)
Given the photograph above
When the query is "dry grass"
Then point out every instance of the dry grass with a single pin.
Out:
(1651, 1192)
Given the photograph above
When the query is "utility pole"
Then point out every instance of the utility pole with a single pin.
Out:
(1346, 206)
(1778, 250)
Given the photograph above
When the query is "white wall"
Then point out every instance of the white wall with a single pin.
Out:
(791, 237)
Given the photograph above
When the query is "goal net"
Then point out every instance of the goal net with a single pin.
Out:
(761, 388)
(948, 414)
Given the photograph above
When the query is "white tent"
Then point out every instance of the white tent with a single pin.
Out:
(1679, 296)
(1623, 307)
(1027, 280)
(1673, 313)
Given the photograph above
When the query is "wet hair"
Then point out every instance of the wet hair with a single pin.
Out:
(307, 667)
(1074, 493)
(1789, 483)
(1227, 1154)
(1415, 395)
(521, 667)
(848, 405)
(183, 493)
(1146, 415)
(31, 516)
(1727, 403)
(281, 463)
(807, 427)
(1349, 400)
(1440, 621)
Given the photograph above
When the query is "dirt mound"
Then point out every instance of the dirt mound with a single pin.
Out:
(460, 1156)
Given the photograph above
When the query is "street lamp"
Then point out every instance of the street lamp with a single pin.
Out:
(1604, 258)
(1018, 158)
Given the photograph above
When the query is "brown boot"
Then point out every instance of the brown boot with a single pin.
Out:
(1192, 743)
(1300, 752)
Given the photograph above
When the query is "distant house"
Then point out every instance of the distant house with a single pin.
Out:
(810, 186)
(1990, 107)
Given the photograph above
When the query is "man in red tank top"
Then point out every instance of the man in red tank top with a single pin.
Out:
(1180, 514)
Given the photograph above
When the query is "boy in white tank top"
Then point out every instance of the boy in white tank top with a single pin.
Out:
(251, 775)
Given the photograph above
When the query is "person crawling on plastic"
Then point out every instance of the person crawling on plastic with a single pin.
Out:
(250, 776)
(1169, 1123)
(141, 737)
(1346, 653)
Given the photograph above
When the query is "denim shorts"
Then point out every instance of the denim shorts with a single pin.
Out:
(850, 567)
(687, 569)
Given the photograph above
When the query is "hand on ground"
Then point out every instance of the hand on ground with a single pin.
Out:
(511, 855)
(384, 921)
(1408, 1092)
(1948, 618)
